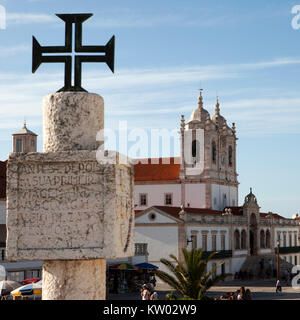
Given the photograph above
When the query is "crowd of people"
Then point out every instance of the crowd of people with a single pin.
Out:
(240, 294)
(148, 292)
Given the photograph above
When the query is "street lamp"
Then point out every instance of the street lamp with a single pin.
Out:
(278, 246)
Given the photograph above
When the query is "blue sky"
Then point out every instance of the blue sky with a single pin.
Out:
(246, 51)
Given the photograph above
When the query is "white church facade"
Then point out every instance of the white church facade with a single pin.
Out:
(190, 201)
(194, 203)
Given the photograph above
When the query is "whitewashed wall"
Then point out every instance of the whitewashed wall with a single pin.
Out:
(218, 191)
(195, 195)
(162, 241)
(156, 194)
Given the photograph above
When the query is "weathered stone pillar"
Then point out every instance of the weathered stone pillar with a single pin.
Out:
(74, 279)
(66, 208)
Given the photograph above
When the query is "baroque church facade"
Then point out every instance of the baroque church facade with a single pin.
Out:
(192, 202)
(189, 201)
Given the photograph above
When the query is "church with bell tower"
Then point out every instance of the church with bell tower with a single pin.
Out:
(209, 157)
(191, 201)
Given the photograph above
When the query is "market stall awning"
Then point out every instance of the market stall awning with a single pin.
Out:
(146, 265)
(28, 290)
(124, 266)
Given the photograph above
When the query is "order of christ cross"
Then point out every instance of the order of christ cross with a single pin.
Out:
(38, 58)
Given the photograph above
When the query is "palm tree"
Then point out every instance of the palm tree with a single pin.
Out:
(190, 279)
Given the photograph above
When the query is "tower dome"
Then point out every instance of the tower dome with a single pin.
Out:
(250, 197)
(199, 114)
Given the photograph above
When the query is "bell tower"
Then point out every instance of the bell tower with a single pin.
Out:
(210, 157)
(24, 140)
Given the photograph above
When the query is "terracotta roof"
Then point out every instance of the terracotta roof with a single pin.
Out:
(236, 211)
(2, 179)
(174, 211)
(24, 130)
(148, 170)
(275, 215)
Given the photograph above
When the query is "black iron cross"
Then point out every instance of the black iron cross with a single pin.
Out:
(38, 58)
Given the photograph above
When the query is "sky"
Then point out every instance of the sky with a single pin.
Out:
(246, 52)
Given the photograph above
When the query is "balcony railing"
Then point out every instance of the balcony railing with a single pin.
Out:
(287, 250)
(219, 255)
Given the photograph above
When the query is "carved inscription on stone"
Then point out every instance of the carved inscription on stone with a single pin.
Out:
(69, 207)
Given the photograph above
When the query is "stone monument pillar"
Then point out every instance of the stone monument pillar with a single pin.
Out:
(64, 207)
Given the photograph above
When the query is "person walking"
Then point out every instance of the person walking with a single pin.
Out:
(154, 296)
(278, 286)
(241, 294)
(145, 294)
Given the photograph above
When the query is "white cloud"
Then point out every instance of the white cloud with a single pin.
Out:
(159, 91)
(27, 18)
(12, 50)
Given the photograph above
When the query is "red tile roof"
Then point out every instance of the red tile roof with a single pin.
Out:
(2, 179)
(174, 211)
(148, 170)
(275, 215)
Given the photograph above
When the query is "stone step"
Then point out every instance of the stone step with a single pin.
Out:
(252, 265)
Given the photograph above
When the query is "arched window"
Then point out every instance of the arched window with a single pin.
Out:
(213, 152)
(268, 239)
(262, 239)
(244, 240)
(196, 150)
(230, 156)
(237, 244)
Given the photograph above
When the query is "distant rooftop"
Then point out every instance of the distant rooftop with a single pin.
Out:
(25, 130)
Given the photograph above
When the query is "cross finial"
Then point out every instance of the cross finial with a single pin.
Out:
(250, 190)
(200, 100)
(217, 109)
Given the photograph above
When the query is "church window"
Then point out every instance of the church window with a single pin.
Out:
(284, 240)
(223, 242)
(230, 156)
(143, 199)
(168, 199)
(194, 241)
(295, 240)
(268, 239)
(290, 240)
(213, 152)
(32, 145)
(296, 261)
(223, 159)
(196, 150)
(224, 200)
(141, 249)
(244, 239)
(214, 242)
(262, 239)
(237, 245)
(19, 145)
(204, 242)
